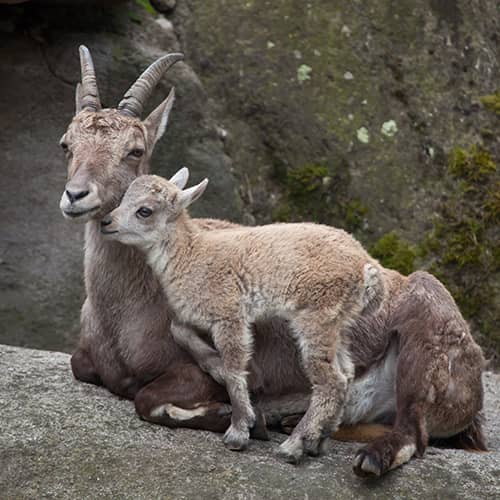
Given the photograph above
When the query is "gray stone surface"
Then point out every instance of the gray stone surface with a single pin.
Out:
(64, 439)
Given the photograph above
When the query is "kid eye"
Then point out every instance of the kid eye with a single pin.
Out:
(144, 212)
(66, 150)
(136, 153)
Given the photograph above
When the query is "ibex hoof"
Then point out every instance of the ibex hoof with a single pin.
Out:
(291, 451)
(367, 464)
(259, 429)
(311, 447)
(235, 439)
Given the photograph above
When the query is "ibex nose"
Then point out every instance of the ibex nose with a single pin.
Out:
(78, 195)
(106, 221)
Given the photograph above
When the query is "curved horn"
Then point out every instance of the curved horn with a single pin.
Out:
(89, 95)
(136, 96)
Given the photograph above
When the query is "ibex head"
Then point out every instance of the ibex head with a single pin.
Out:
(108, 148)
(150, 204)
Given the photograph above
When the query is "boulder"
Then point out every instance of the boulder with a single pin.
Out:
(64, 439)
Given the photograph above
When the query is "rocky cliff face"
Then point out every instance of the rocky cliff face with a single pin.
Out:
(370, 117)
(40, 253)
(376, 117)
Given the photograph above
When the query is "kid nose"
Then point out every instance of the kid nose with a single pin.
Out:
(74, 196)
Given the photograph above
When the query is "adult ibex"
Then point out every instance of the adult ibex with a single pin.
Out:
(416, 364)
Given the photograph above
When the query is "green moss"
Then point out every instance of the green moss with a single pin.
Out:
(395, 253)
(355, 213)
(318, 193)
(305, 194)
(462, 248)
(302, 181)
(474, 165)
(145, 4)
(134, 17)
(492, 203)
(282, 213)
(492, 102)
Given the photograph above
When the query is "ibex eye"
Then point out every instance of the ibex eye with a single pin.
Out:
(144, 212)
(136, 153)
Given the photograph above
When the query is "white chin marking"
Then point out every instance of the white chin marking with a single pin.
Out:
(81, 218)
(81, 210)
(178, 413)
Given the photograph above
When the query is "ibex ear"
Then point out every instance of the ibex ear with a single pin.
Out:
(180, 178)
(78, 98)
(156, 122)
(192, 194)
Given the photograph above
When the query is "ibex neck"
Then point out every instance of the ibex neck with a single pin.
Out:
(172, 254)
(111, 267)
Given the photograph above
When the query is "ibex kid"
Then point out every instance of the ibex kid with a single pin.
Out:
(222, 282)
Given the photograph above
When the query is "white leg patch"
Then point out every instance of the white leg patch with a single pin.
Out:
(404, 454)
(178, 413)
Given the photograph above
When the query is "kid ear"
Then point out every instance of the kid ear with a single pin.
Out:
(156, 122)
(191, 194)
(180, 178)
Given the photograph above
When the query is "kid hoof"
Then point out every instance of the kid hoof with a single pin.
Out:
(291, 451)
(235, 440)
(313, 447)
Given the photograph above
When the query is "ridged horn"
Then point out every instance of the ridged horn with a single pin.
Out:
(89, 95)
(136, 96)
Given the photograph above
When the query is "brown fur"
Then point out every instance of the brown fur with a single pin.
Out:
(438, 375)
(125, 343)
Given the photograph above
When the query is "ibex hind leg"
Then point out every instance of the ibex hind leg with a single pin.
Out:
(393, 449)
(415, 369)
(417, 384)
(318, 340)
(83, 368)
(185, 396)
(435, 397)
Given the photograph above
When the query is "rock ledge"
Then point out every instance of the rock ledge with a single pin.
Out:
(64, 439)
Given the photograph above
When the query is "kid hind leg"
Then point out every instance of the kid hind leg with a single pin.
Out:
(227, 365)
(329, 370)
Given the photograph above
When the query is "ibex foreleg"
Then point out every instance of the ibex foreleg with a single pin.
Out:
(232, 340)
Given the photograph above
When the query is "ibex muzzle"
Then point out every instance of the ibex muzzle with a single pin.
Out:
(107, 148)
